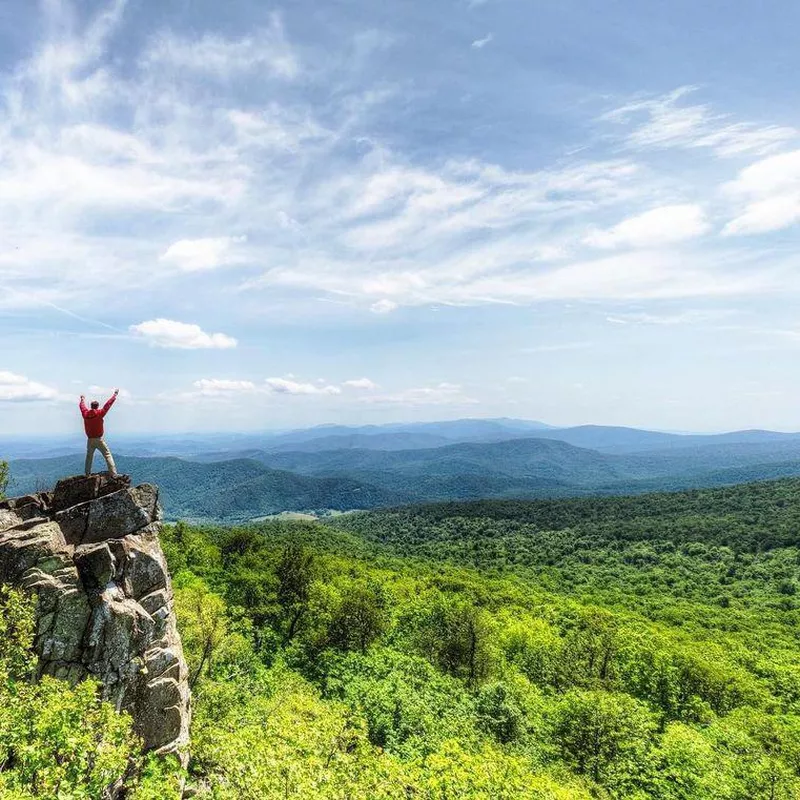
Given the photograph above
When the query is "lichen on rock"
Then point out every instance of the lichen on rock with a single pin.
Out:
(89, 552)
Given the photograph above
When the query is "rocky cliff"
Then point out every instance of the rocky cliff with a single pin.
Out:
(89, 552)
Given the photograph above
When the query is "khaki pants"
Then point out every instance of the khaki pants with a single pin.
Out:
(99, 444)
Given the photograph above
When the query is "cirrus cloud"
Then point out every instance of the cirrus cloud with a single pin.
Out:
(667, 121)
(213, 55)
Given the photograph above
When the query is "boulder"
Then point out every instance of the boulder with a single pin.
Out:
(77, 489)
(90, 554)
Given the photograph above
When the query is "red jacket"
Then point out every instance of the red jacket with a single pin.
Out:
(93, 418)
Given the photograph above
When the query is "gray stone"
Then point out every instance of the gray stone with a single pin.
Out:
(8, 519)
(96, 566)
(155, 601)
(91, 556)
(77, 489)
(30, 505)
(144, 568)
(117, 515)
(73, 522)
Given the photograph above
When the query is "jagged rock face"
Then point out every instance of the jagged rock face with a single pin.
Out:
(90, 553)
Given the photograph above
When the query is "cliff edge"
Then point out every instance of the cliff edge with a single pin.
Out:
(90, 554)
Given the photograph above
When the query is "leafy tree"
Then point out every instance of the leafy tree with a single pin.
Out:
(295, 573)
(686, 766)
(17, 628)
(590, 648)
(456, 636)
(410, 708)
(534, 646)
(359, 617)
(603, 735)
(189, 548)
(500, 713)
(282, 741)
(204, 626)
(3, 478)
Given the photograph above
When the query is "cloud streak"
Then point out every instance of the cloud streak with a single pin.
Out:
(668, 121)
(655, 228)
(292, 387)
(442, 394)
(216, 57)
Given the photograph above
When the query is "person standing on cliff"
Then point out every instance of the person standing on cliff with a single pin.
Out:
(93, 425)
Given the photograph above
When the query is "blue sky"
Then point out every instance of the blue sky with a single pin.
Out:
(256, 216)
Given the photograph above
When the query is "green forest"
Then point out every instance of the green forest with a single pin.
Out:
(631, 648)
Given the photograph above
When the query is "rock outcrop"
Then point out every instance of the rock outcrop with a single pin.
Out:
(89, 552)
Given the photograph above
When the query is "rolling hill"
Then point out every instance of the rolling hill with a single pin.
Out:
(230, 490)
(266, 483)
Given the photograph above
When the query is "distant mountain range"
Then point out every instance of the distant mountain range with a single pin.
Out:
(411, 436)
(228, 490)
(342, 468)
(320, 437)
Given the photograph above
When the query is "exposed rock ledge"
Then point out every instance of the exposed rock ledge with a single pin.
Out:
(90, 553)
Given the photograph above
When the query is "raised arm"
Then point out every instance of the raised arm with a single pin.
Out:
(110, 402)
(82, 406)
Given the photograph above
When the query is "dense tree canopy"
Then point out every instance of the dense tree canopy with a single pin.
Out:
(608, 648)
(621, 648)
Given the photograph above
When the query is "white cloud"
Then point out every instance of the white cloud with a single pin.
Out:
(439, 395)
(769, 175)
(286, 386)
(195, 255)
(213, 387)
(361, 383)
(764, 216)
(654, 228)
(479, 44)
(180, 335)
(670, 123)
(770, 189)
(19, 389)
(383, 306)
